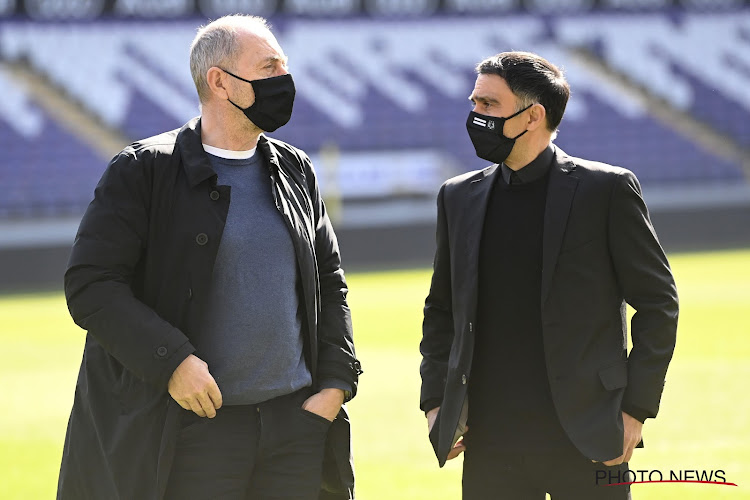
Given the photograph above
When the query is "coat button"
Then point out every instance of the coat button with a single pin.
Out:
(463, 379)
(214, 195)
(161, 351)
(201, 239)
(190, 293)
(356, 367)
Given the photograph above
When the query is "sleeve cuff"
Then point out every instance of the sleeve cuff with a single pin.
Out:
(637, 413)
(431, 404)
(173, 362)
(334, 383)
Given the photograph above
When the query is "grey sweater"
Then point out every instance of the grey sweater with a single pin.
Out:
(251, 337)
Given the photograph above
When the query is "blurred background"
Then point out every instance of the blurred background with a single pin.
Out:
(661, 87)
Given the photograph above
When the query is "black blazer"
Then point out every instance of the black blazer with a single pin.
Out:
(599, 252)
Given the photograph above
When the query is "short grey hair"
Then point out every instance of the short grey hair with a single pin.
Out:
(217, 44)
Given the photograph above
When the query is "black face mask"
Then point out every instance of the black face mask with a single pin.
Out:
(274, 99)
(486, 133)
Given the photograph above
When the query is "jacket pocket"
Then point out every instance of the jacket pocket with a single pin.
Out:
(338, 474)
(614, 376)
(317, 418)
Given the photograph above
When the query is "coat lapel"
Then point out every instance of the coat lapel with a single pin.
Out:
(474, 214)
(560, 193)
(194, 159)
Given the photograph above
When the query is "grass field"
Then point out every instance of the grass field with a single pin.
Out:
(704, 421)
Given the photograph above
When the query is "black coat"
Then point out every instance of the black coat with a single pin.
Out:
(599, 252)
(138, 274)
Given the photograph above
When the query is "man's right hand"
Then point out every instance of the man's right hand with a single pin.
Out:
(193, 387)
(431, 417)
(458, 448)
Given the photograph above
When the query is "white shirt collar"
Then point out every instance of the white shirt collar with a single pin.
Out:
(228, 154)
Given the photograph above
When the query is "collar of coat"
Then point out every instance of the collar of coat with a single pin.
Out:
(196, 161)
(562, 162)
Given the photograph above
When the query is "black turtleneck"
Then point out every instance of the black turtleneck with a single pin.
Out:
(510, 401)
(537, 169)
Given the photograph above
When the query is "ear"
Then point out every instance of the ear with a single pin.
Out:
(217, 83)
(537, 117)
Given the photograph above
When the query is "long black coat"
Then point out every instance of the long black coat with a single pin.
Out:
(599, 252)
(138, 274)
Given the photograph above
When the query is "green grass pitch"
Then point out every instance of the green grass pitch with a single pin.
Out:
(704, 421)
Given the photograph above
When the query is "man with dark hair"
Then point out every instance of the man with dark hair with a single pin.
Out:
(525, 363)
(219, 349)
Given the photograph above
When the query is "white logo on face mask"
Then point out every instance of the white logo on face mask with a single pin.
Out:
(491, 124)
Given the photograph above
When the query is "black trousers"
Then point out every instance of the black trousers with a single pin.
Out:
(272, 450)
(563, 472)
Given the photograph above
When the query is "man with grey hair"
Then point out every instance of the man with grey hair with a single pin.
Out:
(219, 346)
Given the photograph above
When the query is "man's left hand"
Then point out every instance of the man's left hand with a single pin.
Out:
(633, 430)
(325, 403)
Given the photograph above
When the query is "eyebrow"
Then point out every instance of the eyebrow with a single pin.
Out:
(486, 99)
(274, 59)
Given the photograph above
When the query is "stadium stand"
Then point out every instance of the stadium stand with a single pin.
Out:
(45, 170)
(395, 86)
(382, 102)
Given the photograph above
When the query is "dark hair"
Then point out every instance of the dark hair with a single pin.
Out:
(532, 79)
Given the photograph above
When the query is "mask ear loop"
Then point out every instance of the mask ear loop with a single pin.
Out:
(238, 77)
(235, 105)
(508, 118)
(516, 114)
(519, 135)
